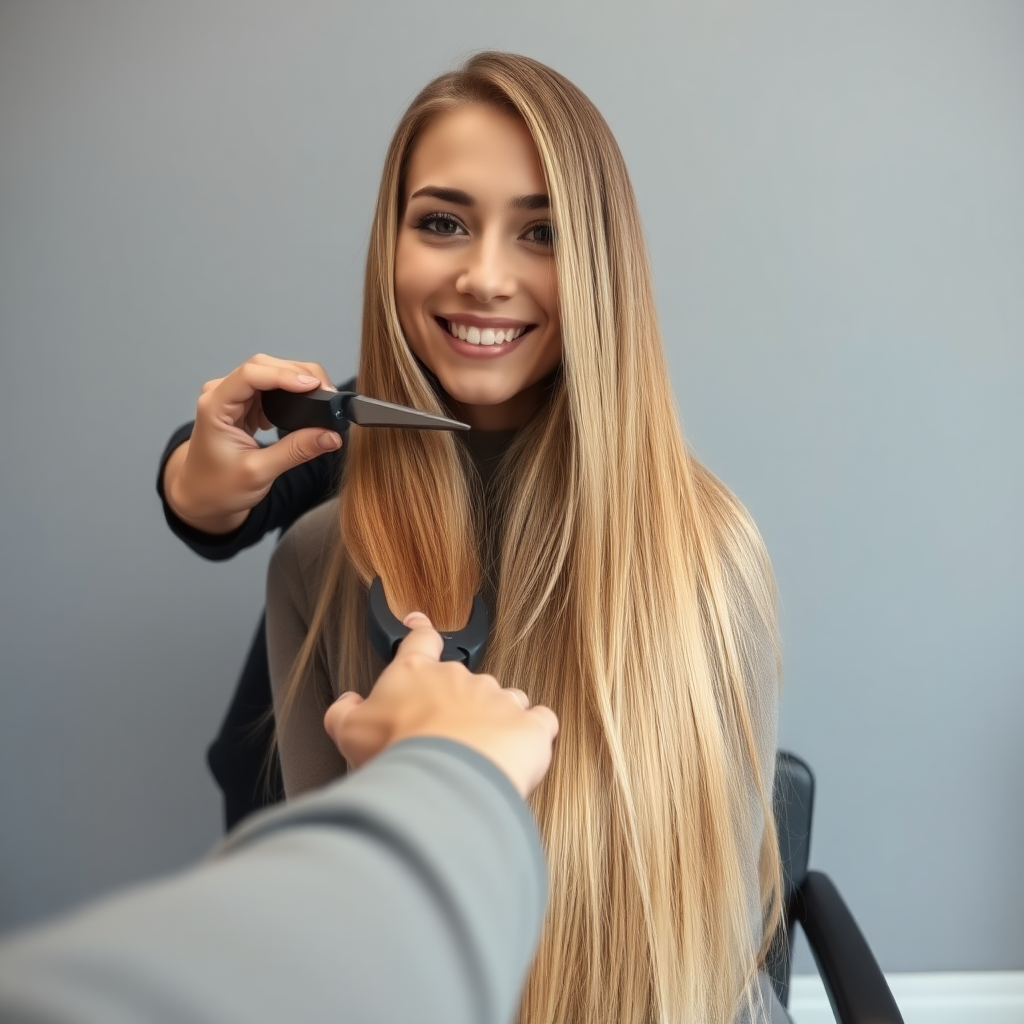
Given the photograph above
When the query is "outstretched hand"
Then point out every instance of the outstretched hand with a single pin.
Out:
(419, 695)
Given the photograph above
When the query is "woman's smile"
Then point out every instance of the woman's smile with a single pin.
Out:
(481, 337)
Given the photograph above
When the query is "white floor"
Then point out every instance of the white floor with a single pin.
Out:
(995, 997)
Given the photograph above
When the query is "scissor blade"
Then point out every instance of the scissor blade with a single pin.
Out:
(371, 412)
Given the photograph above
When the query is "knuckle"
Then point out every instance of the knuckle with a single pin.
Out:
(249, 370)
(296, 453)
(463, 675)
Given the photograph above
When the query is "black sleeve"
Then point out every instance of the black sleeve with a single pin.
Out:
(292, 494)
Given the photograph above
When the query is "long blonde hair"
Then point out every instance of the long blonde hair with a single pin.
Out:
(633, 594)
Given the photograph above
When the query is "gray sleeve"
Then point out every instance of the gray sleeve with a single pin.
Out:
(412, 890)
(308, 757)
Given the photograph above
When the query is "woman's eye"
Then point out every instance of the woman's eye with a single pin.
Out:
(443, 224)
(542, 234)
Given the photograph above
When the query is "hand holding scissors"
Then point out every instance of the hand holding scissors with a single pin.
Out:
(214, 479)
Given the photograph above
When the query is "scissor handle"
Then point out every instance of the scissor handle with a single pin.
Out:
(292, 410)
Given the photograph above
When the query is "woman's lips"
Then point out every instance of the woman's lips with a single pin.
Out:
(475, 320)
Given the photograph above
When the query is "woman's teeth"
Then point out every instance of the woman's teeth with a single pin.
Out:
(487, 336)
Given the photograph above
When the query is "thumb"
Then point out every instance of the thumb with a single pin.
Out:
(423, 642)
(337, 714)
(297, 447)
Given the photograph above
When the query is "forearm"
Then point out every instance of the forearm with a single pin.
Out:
(369, 910)
(453, 884)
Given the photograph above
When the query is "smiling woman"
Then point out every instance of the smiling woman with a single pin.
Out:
(507, 283)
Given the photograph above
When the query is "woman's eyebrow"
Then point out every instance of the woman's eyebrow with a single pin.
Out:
(536, 201)
(449, 195)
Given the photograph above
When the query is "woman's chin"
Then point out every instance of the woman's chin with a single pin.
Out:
(490, 408)
(473, 393)
(481, 398)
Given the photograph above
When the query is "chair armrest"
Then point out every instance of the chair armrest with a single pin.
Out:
(856, 987)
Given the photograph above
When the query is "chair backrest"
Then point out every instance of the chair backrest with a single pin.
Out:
(793, 801)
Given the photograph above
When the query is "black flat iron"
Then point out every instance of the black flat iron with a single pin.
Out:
(387, 632)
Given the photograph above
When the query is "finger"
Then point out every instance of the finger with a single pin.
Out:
(317, 371)
(246, 380)
(337, 714)
(314, 370)
(519, 696)
(529, 772)
(546, 719)
(253, 418)
(423, 642)
(295, 448)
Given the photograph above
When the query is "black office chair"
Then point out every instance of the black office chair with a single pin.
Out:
(856, 987)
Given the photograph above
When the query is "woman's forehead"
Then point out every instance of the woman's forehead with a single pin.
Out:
(477, 149)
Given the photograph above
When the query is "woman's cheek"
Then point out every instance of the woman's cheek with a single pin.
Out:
(409, 278)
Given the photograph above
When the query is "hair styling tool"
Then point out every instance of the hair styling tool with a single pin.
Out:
(334, 410)
(386, 632)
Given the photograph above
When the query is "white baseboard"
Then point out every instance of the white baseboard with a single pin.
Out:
(975, 997)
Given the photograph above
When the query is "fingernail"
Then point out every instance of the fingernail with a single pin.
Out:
(304, 378)
(414, 619)
(328, 442)
(347, 693)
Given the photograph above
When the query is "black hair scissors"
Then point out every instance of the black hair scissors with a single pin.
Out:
(334, 410)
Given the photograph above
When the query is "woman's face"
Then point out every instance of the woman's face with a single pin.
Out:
(475, 278)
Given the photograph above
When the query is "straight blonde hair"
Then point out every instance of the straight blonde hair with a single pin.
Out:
(634, 595)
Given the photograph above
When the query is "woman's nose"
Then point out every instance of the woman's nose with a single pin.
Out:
(488, 274)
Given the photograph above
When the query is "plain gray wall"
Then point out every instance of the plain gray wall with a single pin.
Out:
(834, 198)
